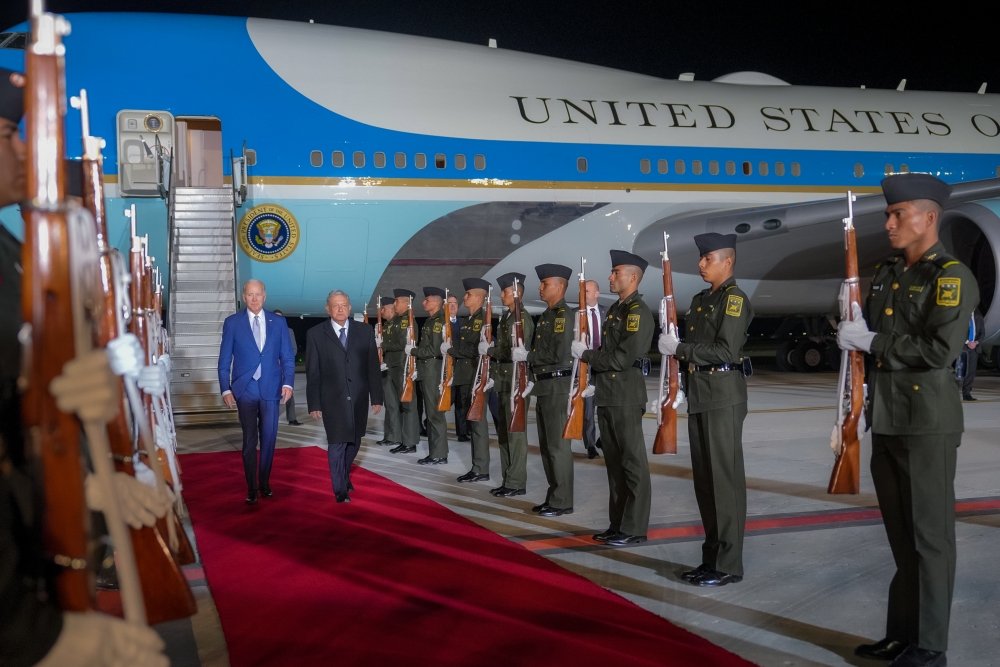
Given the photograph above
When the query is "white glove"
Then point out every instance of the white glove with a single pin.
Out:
(519, 353)
(90, 639)
(415, 376)
(384, 366)
(578, 348)
(140, 505)
(484, 348)
(854, 334)
(164, 360)
(153, 380)
(445, 346)
(378, 341)
(489, 385)
(668, 341)
(409, 349)
(589, 391)
(88, 387)
(126, 355)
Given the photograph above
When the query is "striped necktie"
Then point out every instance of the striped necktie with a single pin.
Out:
(257, 338)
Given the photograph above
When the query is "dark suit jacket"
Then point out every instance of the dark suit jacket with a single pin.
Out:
(602, 314)
(239, 356)
(339, 382)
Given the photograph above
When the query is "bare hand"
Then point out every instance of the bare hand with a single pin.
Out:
(229, 400)
(286, 393)
(316, 414)
(376, 409)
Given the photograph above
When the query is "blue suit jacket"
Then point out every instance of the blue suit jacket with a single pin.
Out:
(239, 356)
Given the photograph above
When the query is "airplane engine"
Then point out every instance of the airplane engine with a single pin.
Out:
(972, 233)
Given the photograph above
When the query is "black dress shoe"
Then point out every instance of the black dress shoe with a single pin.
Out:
(624, 540)
(474, 477)
(464, 438)
(432, 461)
(343, 498)
(295, 422)
(690, 575)
(383, 441)
(914, 656)
(883, 649)
(266, 491)
(605, 535)
(538, 508)
(714, 578)
(510, 493)
(498, 491)
(251, 498)
(968, 397)
(592, 452)
(403, 449)
(555, 511)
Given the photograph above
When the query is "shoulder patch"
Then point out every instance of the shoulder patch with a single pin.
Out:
(734, 305)
(560, 325)
(632, 323)
(477, 325)
(949, 291)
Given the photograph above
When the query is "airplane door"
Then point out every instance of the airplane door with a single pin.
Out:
(198, 154)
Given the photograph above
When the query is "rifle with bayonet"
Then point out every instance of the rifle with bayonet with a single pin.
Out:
(670, 395)
(521, 386)
(573, 429)
(410, 365)
(482, 382)
(447, 364)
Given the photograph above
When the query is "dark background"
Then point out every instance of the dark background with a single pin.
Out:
(943, 46)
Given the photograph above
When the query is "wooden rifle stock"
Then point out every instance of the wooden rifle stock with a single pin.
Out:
(447, 364)
(378, 330)
(518, 418)
(406, 396)
(846, 474)
(477, 406)
(47, 309)
(670, 387)
(573, 429)
(165, 589)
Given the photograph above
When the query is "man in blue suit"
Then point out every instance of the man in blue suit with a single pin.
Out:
(256, 372)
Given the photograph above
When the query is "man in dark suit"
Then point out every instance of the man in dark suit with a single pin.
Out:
(595, 320)
(342, 374)
(293, 350)
(256, 371)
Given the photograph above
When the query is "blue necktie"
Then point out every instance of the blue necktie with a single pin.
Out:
(257, 338)
(343, 337)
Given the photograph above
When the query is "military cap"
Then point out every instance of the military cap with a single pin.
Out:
(399, 292)
(619, 257)
(386, 301)
(434, 291)
(712, 241)
(507, 280)
(11, 97)
(907, 187)
(553, 271)
(475, 283)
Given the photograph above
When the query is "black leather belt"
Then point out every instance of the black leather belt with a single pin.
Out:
(637, 363)
(560, 373)
(714, 369)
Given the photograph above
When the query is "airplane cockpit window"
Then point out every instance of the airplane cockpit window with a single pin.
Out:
(359, 159)
(460, 162)
(13, 40)
(316, 158)
(379, 160)
(440, 160)
(420, 161)
(399, 159)
(581, 165)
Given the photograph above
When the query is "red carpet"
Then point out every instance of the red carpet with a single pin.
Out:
(395, 579)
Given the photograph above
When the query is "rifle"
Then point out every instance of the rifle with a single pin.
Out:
(671, 394)
(482, 383)
(409, 366)
(448, 365)
(520, 387)
(165, 589)
(573, 429)
(378, 328)
(846, 474)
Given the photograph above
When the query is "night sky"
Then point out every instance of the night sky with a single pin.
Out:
(946, 47)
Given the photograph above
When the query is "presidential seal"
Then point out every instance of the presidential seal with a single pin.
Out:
(269, 233)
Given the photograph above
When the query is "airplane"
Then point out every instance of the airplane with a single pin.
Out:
(364, 161)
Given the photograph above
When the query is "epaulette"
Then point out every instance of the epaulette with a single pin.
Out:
(633, 305)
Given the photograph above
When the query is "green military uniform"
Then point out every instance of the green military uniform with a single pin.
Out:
(715, 330)
(920, 316)
(513, 446)
(394, 355)
(465, 350)
(551, 363)
(621, 402)
(428, 354)
(391, 433)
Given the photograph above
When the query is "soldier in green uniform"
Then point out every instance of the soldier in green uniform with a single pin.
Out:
(513, 446)
(465, 350)
(715, 332)
(391, 434)
(428, 354)
(621, 400)
(551, 363)
(918, 309)
(394, 355)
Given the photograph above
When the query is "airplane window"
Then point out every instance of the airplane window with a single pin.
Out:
(730, 168)
(479, 160)
(889, 170)
(904, 168)
(400, 160)
(420, 161)
(251, 155)
(337, 159)
(379, 159)
(581, 165)
(460, 162)
(713, 167)
(779, 168)
(679, 167)
(762, 168)
(316, 158)
(859, 170)
(796, 169)
(747, 169)
(645, 166)
(696, 167)
(359, 159)
(440, 161)
(662, 166)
